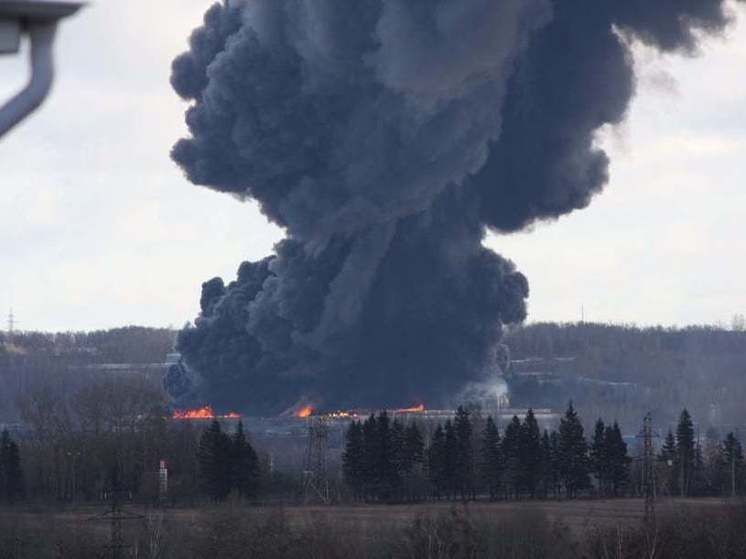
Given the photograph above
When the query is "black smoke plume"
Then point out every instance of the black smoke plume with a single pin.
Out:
(386, 136)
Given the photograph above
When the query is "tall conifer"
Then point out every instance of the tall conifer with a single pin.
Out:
(245, 464)
(685, 452)
(573, 459)
(531, 458)
(491, 463)
(214, 457)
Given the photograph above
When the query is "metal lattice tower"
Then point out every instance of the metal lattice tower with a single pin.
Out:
(648, 470)
(115, 516)
(315, 482)
(11, 326)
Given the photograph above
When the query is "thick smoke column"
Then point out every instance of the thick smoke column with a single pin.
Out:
(385, 136)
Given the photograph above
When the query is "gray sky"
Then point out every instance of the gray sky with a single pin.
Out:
(100, 229)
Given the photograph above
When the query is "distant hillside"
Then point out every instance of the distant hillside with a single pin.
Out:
(702, 368)
(130, 344)
(61, 360)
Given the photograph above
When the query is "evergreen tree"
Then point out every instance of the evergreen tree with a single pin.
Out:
(732, 465)
(491, 463)
(554, 477)
(353, 459)
(464, 463)
(618, 460)
(699, 484)
(546, 470)
(436, 462)
(511, 453)
(451, 461)
(370, 457)
(214, 457)
(685, 452)
(11, 474)
(397, 445)
(599, 456)
(386, 475)
(244, 465)
(530, 454)
(668, 451)
(573, 453)
(413, 449)
(670, 461)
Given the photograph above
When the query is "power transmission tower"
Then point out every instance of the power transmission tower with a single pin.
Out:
(648, 470)
(115, 516)
(315, 482)
(11, 326)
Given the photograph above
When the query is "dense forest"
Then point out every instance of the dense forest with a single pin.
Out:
(63, 361)
(614, 371)
(625, 371)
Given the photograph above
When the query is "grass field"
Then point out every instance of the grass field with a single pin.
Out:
(525, 529)
(577, 515)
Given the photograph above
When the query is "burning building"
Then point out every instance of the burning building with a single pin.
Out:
(386, 137)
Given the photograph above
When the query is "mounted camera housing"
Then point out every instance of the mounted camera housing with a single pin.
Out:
(38, 19)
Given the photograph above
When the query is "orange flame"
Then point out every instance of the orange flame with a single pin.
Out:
(305, 411)
(419, 408)
(205, 412)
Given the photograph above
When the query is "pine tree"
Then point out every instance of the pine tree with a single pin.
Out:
(599, 456)
(491, 463)
(530, 454)
(436, 462)
(413, 450)
(554, 476)
(546, 456)
(668, 451)
(214, 457)
(618, 460)
(464, 470)
(353, 459)
(685, 452)
(386, 474)
(244, 465)
(451, 461)
(414, 447)
(370, 475)
(11, 474)
(732, 465)
(573, 453)
(668, 457)
(511, 452)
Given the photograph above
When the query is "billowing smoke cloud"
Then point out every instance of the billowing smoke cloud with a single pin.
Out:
(385, 136)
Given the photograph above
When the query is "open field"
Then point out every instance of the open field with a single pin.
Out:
(576, 515)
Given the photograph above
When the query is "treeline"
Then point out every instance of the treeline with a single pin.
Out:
(111, 435)
(699, 368)
(469, 457)
(63, 360)
(129, 344)
(11, 477)
(227, 463)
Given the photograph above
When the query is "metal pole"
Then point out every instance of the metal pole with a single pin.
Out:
(42, 75)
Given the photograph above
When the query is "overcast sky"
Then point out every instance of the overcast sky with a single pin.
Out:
(98, 228)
